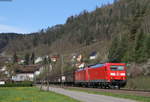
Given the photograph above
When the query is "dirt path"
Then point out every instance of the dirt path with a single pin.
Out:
(86, 97)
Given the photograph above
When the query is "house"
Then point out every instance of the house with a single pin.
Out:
(26, 73)
(38, 60)
(93, 55)
(2, 82)
(21, 61)
(3, 68)
(54, 58)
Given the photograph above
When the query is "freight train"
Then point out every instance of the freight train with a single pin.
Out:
(107, 75)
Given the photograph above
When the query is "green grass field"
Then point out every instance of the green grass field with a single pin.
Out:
(125, 96)
(24, 94)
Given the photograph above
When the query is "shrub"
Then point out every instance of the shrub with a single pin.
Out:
(18, 84)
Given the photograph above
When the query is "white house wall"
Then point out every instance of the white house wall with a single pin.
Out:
(2, 82)
(23, 77)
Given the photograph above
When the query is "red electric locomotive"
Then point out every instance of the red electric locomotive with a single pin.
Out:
(109, 75)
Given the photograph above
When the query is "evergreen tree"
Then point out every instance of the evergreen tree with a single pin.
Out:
(27, 59)
(113, 50)
(49, 60)
(147, 46)
(45, 61)
(35, 41)
(139, 47)
(33, 58)
(15, 58)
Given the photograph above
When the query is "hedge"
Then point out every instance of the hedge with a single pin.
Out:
(18, 84)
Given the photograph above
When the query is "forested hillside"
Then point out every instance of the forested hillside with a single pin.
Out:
(120, 32)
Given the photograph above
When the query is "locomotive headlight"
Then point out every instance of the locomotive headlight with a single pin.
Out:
(122, 74)
(113, 74)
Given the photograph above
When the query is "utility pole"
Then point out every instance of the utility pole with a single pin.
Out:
(47, 76)
(49, 69)
(62, 70)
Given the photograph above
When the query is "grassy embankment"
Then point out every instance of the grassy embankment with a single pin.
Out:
(31, 95)
(141, 82)
(119, 95)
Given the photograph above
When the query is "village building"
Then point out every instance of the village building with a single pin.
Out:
(38, 60)
(26, 73)
(93, 55)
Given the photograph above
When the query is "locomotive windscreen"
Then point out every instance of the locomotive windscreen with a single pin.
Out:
(116, 68)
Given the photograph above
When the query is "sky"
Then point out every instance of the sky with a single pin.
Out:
(26, 16)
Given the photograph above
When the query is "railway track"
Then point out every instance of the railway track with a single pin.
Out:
(120, 91)
(136, 90)
(117, 91)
